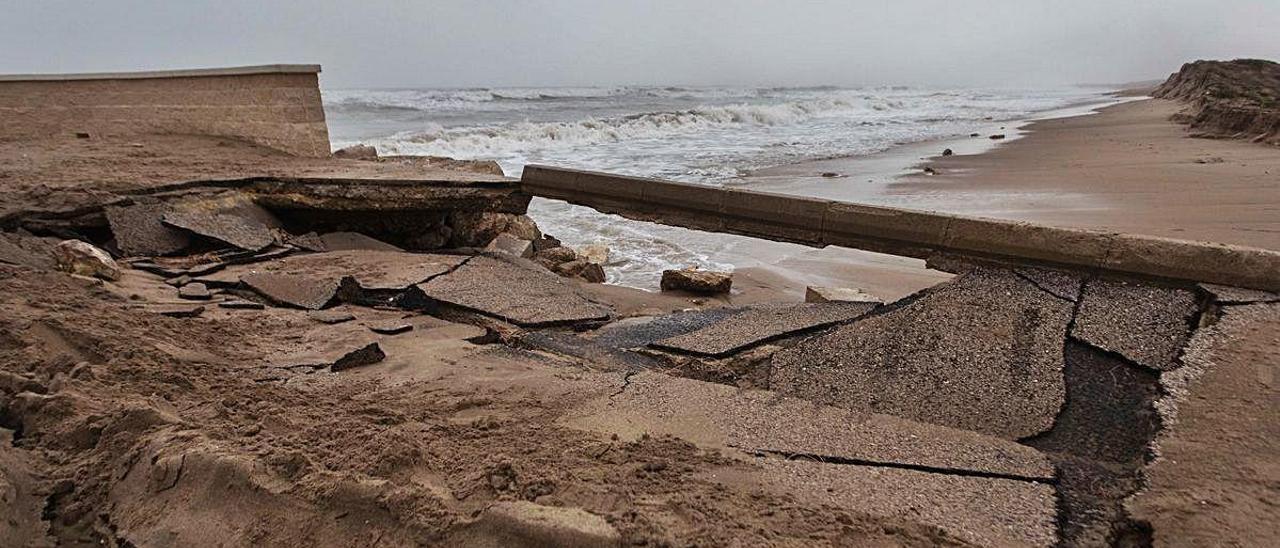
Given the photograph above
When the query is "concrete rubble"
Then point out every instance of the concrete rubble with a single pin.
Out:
(415, 358)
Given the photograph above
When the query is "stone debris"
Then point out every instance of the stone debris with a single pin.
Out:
(696, 281)
(330, 316)
(523, 523)
(982, 352)
(391, 328)
(368, 354)
(759, 324)
(370, 270)
(179, 310)
(1146, 324)
(511, 245)
(838, 294)
(194, 292)
(139, 230)
(514, 291)
(179, 281)
(357, 152)
(291, 289)
(77, 257)
(552, 257)
(478, 228)
(595, 253)
(238, 304)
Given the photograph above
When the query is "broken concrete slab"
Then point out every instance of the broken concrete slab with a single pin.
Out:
(346, 241)
(983, 511)
(194, 292)
(370, 270)
(696, 281)
(22, 248)
(140, 231)
(330, 317)
(757, 421)
(1146, 324)
(366, 355)
(238, 304)
(833, 294)
(390, 328)
(178, 310)
(291, 289)
(1228, 295)
(338, 357)
(760, 324)
(1058, 283)
(241, 232)
(511, 245)
(514, 290)
(982, 352)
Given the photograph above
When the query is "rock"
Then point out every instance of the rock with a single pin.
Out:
(571, 268)
(194, 292)
(357, 152)
(511, 245)
(523, 523)
(997, 137)
(697, 281)
(595, 253)
(81, 258)
(366, 355)
(553, 257)
(391, 328)
(593, 273)
(179, 281)
(292, 290)
(830, 174)
(947, 152)
(545, 242)
(330, 316)
(838, 294)
(975, 135)
(478, 228)
(930, 171)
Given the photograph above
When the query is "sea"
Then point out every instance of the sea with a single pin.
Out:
(704, 135)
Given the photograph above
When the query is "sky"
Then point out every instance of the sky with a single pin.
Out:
(482, 43)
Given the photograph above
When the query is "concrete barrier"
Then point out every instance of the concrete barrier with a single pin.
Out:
(273, 105)
(918, 234)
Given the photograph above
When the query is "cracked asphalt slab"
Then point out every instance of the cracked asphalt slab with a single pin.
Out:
(759, 324)
(982, 352)
(1146, 324)
(514, 290)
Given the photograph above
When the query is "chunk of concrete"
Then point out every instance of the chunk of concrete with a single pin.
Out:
(523, 523)
(366, 355)
(511, 245)
(178, 310)
(1225, 294)
(982, 352)
(232, 219)
(139, 230)
(194, 292)
(760, 324)
(345, 241)
(513, 290)
(595, 253)
(77, 257)
(838, 294)
(696, 281)
(291, 289)
(1146, 324)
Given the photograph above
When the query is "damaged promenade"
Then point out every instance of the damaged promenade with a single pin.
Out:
(388, 352)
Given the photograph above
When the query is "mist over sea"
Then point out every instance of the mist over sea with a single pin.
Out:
(697, 134)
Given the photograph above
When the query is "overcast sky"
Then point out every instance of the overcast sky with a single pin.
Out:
(446, 43)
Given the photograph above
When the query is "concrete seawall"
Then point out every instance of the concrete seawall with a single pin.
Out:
(272, 105)
(820, 223)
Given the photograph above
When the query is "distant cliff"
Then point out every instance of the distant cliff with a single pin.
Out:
(1228, 99)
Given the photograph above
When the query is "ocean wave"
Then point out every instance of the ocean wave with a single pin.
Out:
(494, 140)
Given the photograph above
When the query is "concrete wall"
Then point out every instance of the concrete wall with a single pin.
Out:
(274, 105)
(919, 234)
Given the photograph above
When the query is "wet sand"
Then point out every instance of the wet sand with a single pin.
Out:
(1127, 168)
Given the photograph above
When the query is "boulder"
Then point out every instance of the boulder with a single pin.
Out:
(357, 152)
(595, 253)
(572, 268)
(555, 256)
(546, 242)
(81, 258)
(478, 228)
(593, 273)
(838, 294)
(697, 281)
(947, 152)
(997, 137)
(511, 245)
